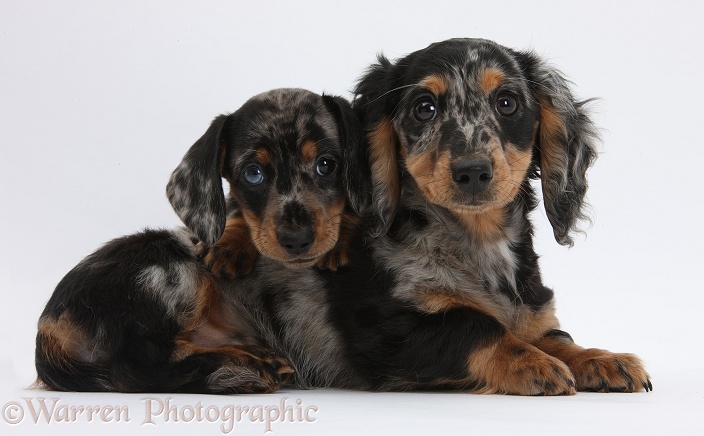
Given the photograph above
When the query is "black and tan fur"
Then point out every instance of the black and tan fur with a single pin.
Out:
(449, 292)
(471, 123)
(143, 313)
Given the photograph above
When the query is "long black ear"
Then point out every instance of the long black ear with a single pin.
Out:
(195, 187)
(565, 147)
(355, 173)
(374, 102)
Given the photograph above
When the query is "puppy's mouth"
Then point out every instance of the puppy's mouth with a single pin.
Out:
(476, 202)
(304, 260)
(474, 205)
(450, 197)
(301, 262)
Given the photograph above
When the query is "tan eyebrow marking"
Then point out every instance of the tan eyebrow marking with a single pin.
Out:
(309, 150)
(435, 83)
(263, 156)
(490, 79)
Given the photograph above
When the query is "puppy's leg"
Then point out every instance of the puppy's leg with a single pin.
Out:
(594, 369)
(234, 255)
(459, 347)
(218, 351)
(228, 369)
(193, 368)
(511, 366)
(115, 323)
(67, 358)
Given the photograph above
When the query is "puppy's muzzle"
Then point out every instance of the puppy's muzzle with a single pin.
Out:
(295, 228)
(472, 176)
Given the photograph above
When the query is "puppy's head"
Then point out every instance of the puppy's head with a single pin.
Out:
(292, 159)
(472, 121)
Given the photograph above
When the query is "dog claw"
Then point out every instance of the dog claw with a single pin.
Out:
(648, 386)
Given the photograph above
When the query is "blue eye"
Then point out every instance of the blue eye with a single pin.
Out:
(253, 175)
(325, 166)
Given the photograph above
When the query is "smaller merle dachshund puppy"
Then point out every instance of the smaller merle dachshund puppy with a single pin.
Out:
(144, 313)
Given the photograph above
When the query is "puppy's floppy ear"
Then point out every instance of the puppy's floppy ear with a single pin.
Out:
(375, 101)
(195, 188)
(355, 174)
(565, 146)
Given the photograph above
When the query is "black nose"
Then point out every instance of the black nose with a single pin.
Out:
(296, 241)
(473, 176)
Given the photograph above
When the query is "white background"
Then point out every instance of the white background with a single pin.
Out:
(100, 100)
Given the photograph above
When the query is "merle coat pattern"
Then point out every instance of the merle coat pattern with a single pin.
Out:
(448, 292)
(144, 313)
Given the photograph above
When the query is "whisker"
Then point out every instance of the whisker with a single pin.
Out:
(392, 90)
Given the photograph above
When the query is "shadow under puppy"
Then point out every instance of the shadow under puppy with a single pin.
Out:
(449, 293)
(143, 313)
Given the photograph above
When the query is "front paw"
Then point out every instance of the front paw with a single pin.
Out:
(602, 371)
(517, 368)
(229, 262)
(536, 373)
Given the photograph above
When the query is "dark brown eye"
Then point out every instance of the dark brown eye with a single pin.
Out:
(325, 166)
(424, 109)
(506, 104)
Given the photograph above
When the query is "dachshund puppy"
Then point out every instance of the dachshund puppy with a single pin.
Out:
(448, 294)
(144, 314)
(457, 131)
